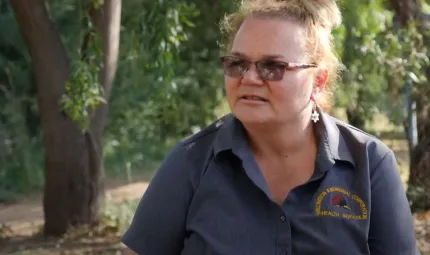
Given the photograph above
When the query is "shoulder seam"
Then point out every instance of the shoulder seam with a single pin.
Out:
(195, 137)
(354, 128)
(202, 133)
(383, 158)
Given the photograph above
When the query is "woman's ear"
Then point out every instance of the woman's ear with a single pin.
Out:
(319, 85)
(321, 80)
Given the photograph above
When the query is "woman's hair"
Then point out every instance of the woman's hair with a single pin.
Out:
(319, 17)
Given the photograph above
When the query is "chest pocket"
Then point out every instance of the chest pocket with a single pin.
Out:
(335, 220)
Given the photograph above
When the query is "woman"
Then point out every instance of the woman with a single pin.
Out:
(277, 176)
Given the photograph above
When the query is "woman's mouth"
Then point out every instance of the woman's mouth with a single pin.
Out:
(253, 98)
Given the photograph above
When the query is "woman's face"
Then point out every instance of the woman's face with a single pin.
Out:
(255, 100)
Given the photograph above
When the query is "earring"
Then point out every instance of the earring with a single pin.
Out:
(315, 115)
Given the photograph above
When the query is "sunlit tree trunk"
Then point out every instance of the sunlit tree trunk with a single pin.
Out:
(73, 163)
(354, 110)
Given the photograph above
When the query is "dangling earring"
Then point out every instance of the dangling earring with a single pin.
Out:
(315, 115)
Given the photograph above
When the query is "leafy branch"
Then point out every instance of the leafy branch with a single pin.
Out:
(83, 90)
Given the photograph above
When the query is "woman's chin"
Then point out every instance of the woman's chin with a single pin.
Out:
(253, 118)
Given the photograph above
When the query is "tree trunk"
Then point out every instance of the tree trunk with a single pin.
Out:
(108, 21)
(356, 117)
(73, 167)
(355, 112)
(406, 10)
(419, 175)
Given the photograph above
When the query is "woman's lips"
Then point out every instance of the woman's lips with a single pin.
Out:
(254, 100)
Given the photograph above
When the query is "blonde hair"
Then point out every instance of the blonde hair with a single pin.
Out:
(319, 17)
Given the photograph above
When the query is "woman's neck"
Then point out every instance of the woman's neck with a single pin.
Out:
(283, 140)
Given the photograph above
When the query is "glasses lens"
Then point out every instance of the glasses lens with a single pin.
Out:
(234, 67)
(271, 70)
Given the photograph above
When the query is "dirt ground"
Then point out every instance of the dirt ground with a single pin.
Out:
(19, 222)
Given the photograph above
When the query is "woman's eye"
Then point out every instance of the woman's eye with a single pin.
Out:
(274, 68)
(268, 72)
(237, 63)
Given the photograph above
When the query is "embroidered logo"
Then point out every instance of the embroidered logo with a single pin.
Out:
(342, 203)
(339, 201)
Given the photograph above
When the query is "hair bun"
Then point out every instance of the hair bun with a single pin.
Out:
(323, 12)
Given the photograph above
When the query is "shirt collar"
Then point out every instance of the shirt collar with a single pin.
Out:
(334, 140)
(231, 135)
(332, 145)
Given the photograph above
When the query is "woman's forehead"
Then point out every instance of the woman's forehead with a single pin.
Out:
(257, 38)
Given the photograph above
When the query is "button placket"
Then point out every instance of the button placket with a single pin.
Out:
(283, 218)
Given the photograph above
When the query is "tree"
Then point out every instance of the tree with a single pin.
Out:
(409, 14)
(73, 163)
(171, 47)
(363, 85)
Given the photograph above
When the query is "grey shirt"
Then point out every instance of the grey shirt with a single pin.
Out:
(209, 197)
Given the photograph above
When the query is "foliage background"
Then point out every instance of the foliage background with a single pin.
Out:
(169, 84)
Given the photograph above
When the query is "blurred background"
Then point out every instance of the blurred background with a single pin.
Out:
(93, 93)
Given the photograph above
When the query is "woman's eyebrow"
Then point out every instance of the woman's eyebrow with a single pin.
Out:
(238, 54)
(267, 56)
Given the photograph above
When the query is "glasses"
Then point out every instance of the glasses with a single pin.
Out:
(269, 70)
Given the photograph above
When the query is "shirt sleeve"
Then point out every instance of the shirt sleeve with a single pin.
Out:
(391, 222)
(158, 226)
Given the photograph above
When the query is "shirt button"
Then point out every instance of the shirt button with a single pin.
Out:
(283, 218)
